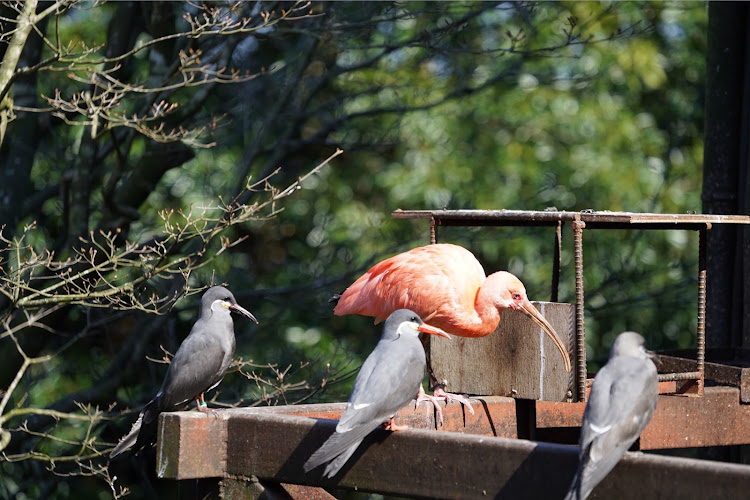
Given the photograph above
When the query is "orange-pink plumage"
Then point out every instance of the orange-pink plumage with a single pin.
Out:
(446, 286)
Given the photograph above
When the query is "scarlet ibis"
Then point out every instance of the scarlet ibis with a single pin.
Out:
(386, 383)
(446, 285)
(198, 366)
(622, 402)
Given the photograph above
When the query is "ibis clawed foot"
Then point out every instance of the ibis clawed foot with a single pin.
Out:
(438, 395)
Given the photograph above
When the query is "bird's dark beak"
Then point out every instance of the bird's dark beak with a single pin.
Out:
(433, 330)
(238, 308)
(531, 311)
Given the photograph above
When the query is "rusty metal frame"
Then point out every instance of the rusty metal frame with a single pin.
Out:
(596, 220)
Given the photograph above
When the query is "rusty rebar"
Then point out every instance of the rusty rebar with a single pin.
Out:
(674, 377)
(701, 333)
(580, 328)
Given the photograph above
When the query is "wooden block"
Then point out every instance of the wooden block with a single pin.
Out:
(518, 360)
(205, 434)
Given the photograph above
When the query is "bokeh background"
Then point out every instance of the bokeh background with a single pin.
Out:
(490, 105)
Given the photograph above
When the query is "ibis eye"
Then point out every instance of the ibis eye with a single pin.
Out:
(516, 296)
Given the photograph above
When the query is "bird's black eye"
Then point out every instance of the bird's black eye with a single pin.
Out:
(516, 296)
(413, 318)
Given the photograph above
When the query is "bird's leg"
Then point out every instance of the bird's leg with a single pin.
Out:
(439, 393)
(421, 396)
(202, 406)
(391, 426)
(437, 388)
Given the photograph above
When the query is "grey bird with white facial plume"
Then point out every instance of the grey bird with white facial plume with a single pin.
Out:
(389, 379)
(622, 401)
(198, 366)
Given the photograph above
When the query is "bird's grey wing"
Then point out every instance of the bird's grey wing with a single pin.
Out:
(620, 407)
(385, 384)
(197, 365)
(387, 381)
(622, 401)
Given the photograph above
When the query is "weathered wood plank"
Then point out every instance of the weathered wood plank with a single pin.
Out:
(206, 436)
(517, 360)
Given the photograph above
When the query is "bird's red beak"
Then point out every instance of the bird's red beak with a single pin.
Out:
(531, 311)
(433, 330)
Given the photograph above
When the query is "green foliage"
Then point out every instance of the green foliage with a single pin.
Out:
(573, 105)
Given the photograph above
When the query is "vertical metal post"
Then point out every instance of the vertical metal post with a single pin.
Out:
(556, 263)
(431, 378)
(578, 226)
(702, 278)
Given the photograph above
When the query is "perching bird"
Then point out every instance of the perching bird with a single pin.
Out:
(198, 366)
(387, 381)
(622, 401)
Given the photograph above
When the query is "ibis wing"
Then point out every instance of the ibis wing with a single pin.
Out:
(425, 279)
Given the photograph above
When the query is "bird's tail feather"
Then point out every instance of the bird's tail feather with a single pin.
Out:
(129, 439)
(143, 432)
(334, 298)
(339, 447)
(574, 491)
(335, 465)
(577, 490)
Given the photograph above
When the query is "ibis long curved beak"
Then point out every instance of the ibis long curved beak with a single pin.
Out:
(243, 311)
(433, 330)
(531, 311)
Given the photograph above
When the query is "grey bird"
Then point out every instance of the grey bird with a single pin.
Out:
(388, 380)
(198, 366)
(622, 402)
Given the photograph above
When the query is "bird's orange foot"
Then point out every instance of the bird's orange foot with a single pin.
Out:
(448, 397)
(421, 396)
(391, 426)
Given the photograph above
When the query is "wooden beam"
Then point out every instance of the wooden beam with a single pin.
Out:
(272, 446)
